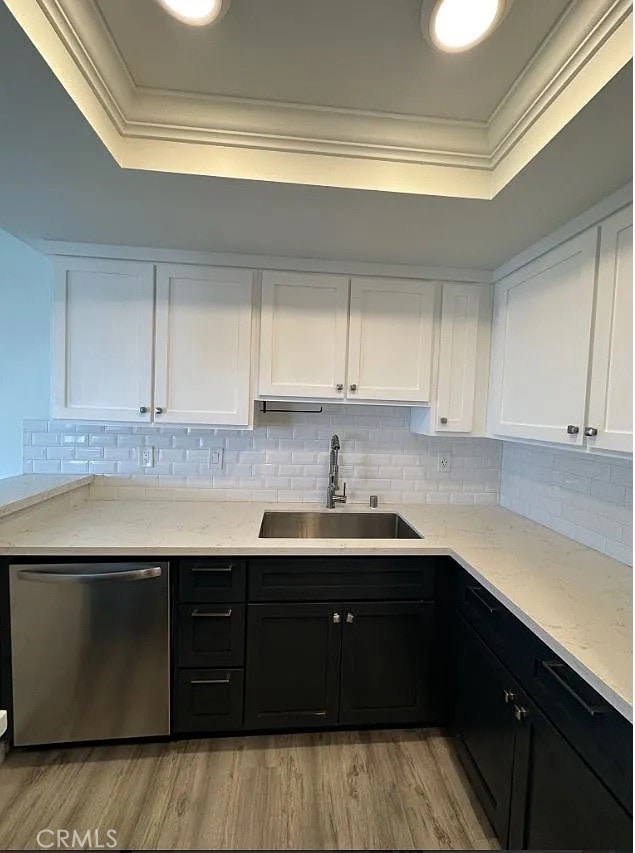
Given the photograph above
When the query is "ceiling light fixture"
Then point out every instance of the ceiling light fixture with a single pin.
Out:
(198, 13)
(457, 25)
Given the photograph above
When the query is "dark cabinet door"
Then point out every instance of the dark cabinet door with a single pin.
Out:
(558, 802)
(293, 655)
(386, 676)
(482, 692)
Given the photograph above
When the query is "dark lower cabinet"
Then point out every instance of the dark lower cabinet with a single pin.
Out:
(293, 653)
(386, 676)
(208, 700)
(311, 665)
(536, 789)
(558, 802)
(484, 723)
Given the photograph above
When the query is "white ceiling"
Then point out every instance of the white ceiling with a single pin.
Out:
(357, 54)
(57, 181)
(339, 93)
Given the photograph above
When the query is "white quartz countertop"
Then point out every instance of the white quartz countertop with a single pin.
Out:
(26, 490)
(577, 601)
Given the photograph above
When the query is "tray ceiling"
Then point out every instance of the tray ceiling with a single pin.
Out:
(330, 93)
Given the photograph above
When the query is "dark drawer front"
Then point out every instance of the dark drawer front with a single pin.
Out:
(208, 700)
(212, 580)
(211, 635)
(490, 618)
(328, 578)
(601, 735)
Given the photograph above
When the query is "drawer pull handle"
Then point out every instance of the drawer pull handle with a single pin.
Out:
(520, 713)
(208, 570)
(475, 592)
(554, 668)
(212, 614)
(210, 680)
(509, 696)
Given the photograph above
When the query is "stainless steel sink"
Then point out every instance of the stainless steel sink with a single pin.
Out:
(331, 525)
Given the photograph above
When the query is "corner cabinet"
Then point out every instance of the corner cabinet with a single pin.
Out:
(313, 347)
(459, 401)
(549, 760)
(562, 336)
(123, 353)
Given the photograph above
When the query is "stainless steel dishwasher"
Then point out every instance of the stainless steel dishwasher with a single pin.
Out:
(90, 651)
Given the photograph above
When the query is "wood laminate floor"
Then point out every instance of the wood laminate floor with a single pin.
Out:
(396, 789)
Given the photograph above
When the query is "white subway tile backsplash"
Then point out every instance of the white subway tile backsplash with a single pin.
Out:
(588, 498)
(284, 457)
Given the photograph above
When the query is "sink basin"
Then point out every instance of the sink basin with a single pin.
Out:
(331, 525)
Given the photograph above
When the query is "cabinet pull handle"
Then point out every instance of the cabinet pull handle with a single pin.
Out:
(475, 592)
(353, 387)
(209, 570)
(520, 713)
(350, 618)
(143, 410)
(159, 410)
(573, 430)
(336, 618)
(509, 696)
(211, 680)
(443, 421)
(590, 432)
(554, 668)
(339, 386)
(211, 614)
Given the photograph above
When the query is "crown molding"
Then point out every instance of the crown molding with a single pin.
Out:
(253, 139)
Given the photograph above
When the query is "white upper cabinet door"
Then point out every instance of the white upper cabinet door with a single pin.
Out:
(458, 350)
(102, 340)
(391, 339)
(611, 396)
(203, 345)
(303, 334)
(541, 345)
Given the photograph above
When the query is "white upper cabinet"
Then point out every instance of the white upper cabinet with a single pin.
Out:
(390, 342)
(203, 345)
(460, 401)
(102, 340)
(611, 392)
(541, 345)
(117, 359)
(303, 335)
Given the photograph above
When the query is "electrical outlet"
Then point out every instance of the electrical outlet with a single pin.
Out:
(146, 457)
(216, 455)
(443, 462)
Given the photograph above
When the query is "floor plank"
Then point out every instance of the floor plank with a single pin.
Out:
(395, 789)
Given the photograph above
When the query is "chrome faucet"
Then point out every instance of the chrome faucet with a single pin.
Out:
(332, 495)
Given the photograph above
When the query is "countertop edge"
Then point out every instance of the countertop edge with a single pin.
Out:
(45, 494)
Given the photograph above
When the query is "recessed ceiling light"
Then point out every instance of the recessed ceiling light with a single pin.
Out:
(457, 25)
(198, 13)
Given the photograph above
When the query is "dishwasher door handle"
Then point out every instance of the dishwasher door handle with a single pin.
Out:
(47, 576)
